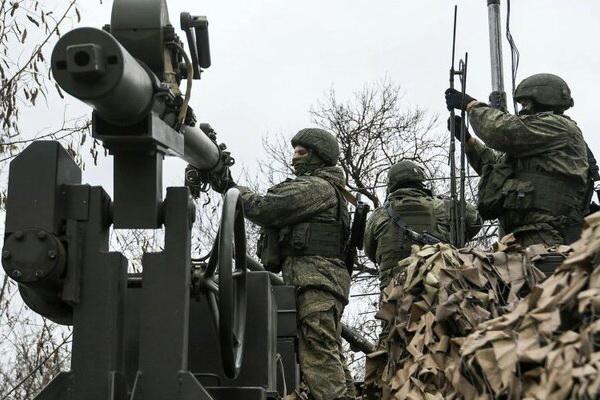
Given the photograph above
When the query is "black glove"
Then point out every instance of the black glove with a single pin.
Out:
(222, 183)
(197, 181)
(455, 99)
(457, 125)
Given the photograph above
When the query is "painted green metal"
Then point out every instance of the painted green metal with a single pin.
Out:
(131, 333)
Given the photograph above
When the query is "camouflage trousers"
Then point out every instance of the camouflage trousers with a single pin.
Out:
(322, 360)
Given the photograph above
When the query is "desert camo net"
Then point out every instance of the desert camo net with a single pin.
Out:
(439, 298)
(548, 346)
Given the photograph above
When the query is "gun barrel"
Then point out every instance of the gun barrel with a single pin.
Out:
(200, 151)
(91, 65)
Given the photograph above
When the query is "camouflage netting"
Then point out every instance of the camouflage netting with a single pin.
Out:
(548, 347)
(440, 296)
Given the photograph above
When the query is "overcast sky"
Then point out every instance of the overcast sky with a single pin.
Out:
(273, 59)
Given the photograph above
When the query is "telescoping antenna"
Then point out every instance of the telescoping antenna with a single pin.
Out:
(462, 214)
(458, 205)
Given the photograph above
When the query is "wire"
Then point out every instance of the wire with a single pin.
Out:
(40, 365)
(279, 360)
(190, 81)
(515, 56)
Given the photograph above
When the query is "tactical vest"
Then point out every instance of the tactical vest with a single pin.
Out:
(521, 196)
(417, 213)
(312, 238)
(531, 191)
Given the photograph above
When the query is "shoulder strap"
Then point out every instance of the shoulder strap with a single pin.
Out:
(395, 217)
(340, 199)
(420, 238)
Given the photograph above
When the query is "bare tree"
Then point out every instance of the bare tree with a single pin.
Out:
(375, 129)
(32, 349)
(27, 28)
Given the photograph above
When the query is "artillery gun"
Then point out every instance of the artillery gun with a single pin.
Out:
(179, 329)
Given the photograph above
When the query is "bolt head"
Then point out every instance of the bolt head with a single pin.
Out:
(42, 235)
(18, 235)
(39, 273)
(6, 254)
(15, 273)
(52, 254)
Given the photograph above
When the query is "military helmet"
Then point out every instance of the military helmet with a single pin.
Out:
(323, 143)
(404, 172)
(545, 89)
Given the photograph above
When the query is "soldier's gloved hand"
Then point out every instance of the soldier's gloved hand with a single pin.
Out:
(455, 99)
(223, 183)
(457, 124)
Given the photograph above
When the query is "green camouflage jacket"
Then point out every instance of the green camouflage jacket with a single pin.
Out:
(307, 198)
(421, 211)
(538, 163)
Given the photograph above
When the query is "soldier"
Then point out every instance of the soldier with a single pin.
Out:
(410, 202)
(533, 166)
(418, 208)
(305, 226)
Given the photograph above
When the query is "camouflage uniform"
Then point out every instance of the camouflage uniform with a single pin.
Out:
(322, 281)
(536, 167)
(383, 243)
(386, 246)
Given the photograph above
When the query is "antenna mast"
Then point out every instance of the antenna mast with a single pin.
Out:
(498, 95)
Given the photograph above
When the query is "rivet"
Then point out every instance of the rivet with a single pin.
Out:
(52, 254)
(18, 235)
(6, 254)
(42, 235)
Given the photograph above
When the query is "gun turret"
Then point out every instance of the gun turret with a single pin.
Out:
(130, 74)
(140, 336)
(177, 330)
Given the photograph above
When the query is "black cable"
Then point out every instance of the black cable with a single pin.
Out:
(40, 365)
(514, 55)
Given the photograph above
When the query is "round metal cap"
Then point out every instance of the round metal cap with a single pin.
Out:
(33, 255)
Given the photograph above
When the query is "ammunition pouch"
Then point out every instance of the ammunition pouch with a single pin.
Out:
(533, 190)
(518, 195)
(325, 239)
(491, 185)
(315, 239)
(304, 239)
(269, 251)
(503, 191)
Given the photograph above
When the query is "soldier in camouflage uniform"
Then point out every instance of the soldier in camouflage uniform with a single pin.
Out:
(386, 245)
(533, 166)
(305, 225)
(419, 209)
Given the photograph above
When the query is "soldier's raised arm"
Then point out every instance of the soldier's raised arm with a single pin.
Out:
(477, 153)
(539, 186)
(518, 135)
(536, 130)
(290, 202)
